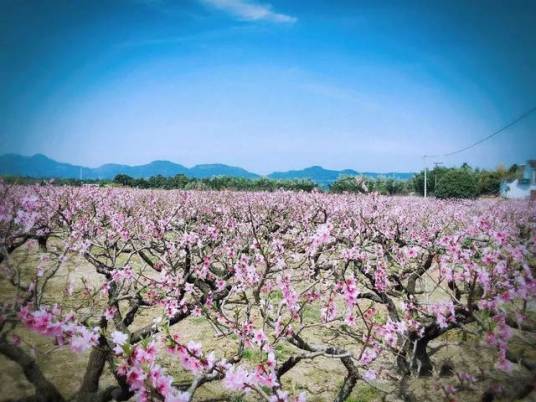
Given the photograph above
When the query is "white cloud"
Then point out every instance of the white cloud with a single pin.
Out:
(250, 11)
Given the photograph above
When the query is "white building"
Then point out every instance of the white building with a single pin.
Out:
(524, 188)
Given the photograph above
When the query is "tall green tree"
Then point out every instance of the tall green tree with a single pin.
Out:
(457, 183)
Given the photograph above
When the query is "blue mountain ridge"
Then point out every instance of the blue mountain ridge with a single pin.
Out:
(40, 166)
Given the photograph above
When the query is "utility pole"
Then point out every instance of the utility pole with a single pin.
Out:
(425, 178)
(436, 164)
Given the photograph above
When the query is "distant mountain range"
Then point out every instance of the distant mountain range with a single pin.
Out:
(325, 177)
(40, 166)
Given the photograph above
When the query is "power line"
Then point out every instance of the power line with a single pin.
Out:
(513, 122)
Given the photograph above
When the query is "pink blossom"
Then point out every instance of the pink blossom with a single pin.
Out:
(110, 313)
(236, 378)
(84, 339)
(259, 337)
(119, 338)
(369, 375)
(178, 396)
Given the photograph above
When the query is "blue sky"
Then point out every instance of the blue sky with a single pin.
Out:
(267, 86)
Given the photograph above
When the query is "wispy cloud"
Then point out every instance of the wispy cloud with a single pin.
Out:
(250, 11)
(202, 38)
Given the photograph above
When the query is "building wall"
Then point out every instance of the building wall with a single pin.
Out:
(524, 188)
(515, 190)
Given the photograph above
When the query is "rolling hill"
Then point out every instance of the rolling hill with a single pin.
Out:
(40, 166)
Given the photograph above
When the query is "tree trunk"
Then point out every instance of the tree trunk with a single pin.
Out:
(42, 241)
(90, 384)
(420, 362)
(45, 391)
(349, 381)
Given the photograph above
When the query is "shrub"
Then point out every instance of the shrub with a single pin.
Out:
(124, 180)
(349, 184)
(489, 183)
(457, 183)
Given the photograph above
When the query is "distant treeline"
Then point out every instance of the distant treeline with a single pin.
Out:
(54, 181)
(442, 182)
(343, 184)
(463, 182)
(181, 181)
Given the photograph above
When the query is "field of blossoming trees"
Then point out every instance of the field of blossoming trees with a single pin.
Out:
(124, 294)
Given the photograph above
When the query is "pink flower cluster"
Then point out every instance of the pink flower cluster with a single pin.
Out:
(47, 321)
(499, 338)
(142, 373)
(321, 236)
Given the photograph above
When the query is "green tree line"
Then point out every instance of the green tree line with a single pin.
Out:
(181, 181)
(442, 182)
(464, 182)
